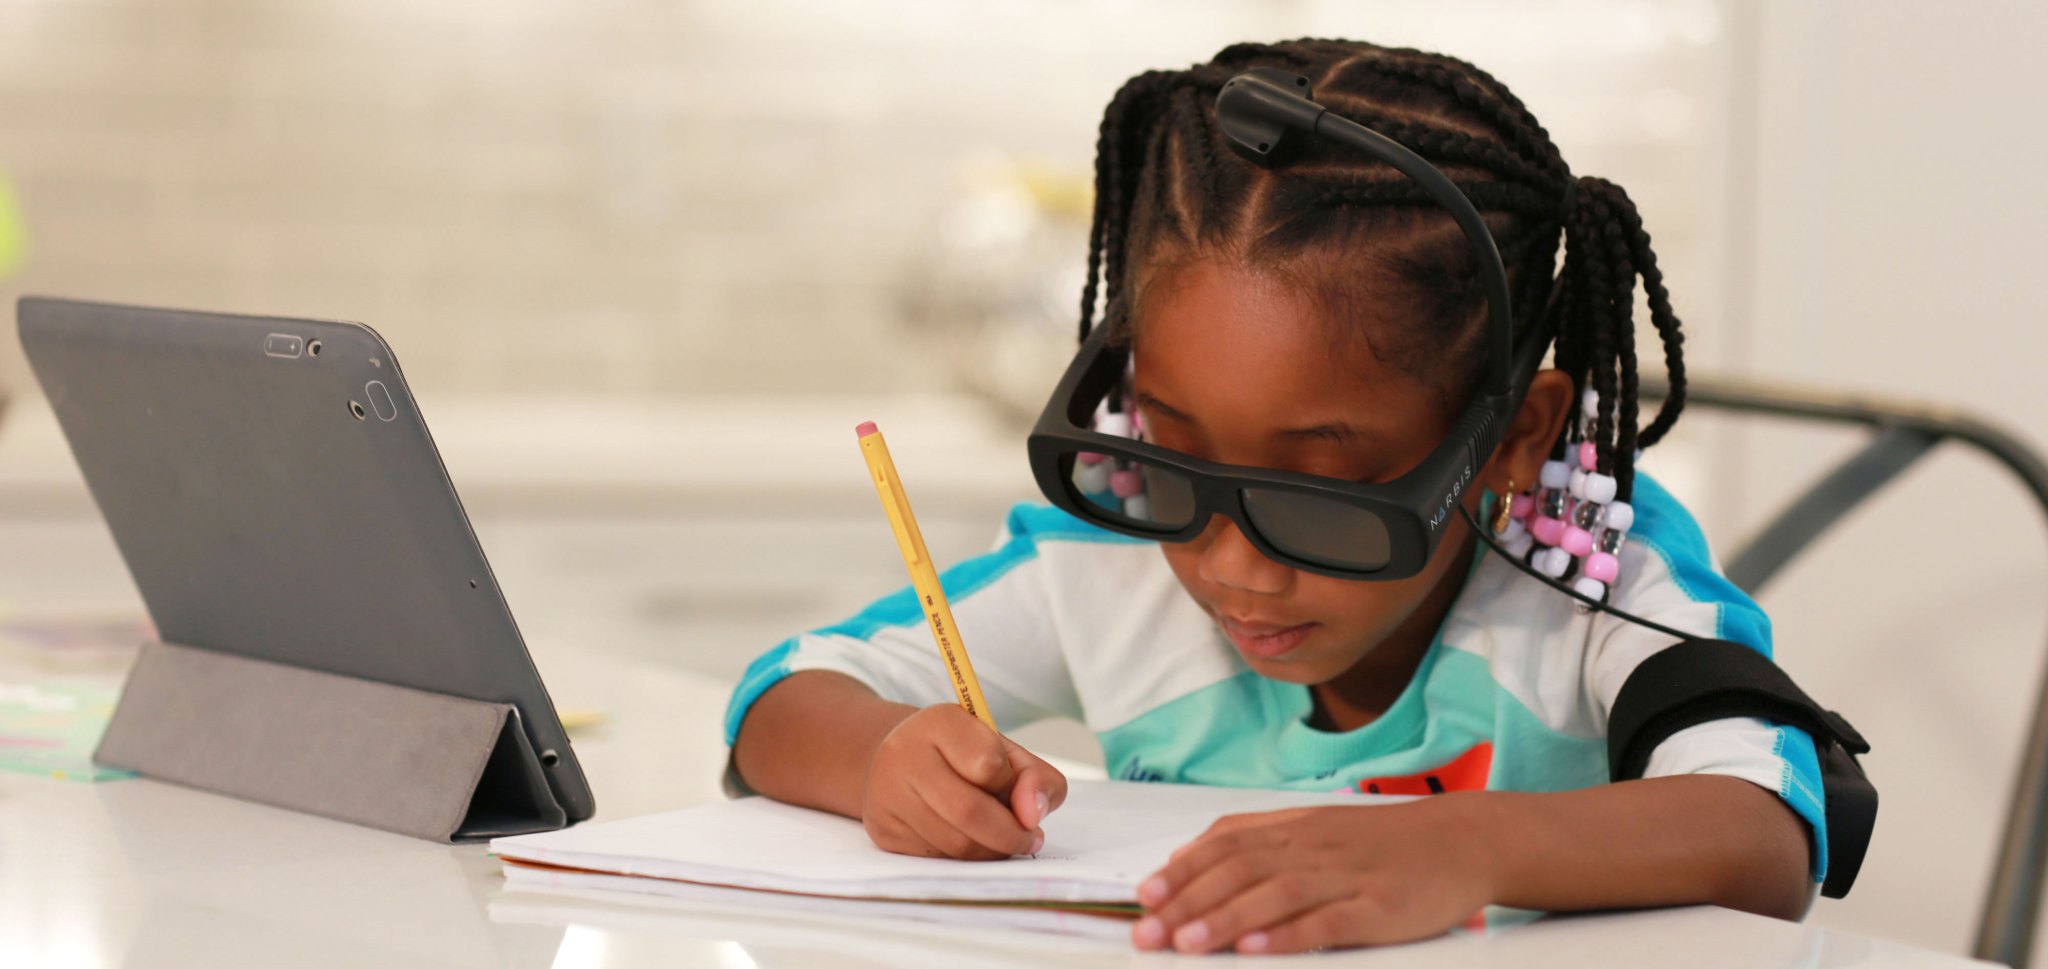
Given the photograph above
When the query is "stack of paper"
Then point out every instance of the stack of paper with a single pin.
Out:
(1107, 838)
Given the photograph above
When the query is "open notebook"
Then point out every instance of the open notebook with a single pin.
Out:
(1107, 838)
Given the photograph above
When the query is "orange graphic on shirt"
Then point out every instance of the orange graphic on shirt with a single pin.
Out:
(1465, 773)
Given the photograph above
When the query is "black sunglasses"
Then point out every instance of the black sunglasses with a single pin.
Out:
(1328, 526)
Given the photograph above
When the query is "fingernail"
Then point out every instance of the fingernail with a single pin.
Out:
(1255, 942)
(1191, 936)
(1037, 842)
(1153, 891)
(1044, 805)
(1150, 933)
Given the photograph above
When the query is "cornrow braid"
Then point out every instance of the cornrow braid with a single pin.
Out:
(1572, 352)
(1597, 326)
(1621, 330)
(1113, 182)
(1497, 196)
(1167, 188)
(1459, 148)
(1476, 89)
(1665, 321)
(1207, 163)
(1626, 429)
(1159, 152)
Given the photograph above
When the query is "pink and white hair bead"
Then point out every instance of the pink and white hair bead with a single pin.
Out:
(1569, 526)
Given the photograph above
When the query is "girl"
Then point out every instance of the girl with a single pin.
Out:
(1322, 317)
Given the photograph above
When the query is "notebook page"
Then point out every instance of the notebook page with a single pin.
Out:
(1106, 838)
(530, 884)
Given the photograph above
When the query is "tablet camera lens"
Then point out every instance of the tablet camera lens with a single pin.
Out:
(356, 409)
(313, 348)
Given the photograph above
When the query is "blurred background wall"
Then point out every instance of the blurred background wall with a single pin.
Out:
(646, 261)
(664, 197)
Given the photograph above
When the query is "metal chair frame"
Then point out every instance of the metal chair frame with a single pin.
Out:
(1902, 433)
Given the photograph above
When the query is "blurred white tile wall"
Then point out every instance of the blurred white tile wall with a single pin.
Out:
(629, 196)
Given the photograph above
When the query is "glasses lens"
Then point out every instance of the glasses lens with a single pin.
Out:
(1317, 530)
(1132, 493)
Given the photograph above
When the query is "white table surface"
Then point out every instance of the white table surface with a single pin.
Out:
(146, 874)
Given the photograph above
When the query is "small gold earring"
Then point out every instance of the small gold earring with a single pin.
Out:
(1501, 512)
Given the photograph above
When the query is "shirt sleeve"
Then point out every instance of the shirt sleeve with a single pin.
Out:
(1670, 578)
(1001, 604)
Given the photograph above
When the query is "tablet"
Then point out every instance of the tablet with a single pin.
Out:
(272, 486)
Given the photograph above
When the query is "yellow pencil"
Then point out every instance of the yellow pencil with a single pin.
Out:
(923, 578)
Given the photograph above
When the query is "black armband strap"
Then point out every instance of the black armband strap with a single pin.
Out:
(1699, 680)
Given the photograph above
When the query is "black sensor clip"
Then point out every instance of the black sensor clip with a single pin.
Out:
(1256, 108)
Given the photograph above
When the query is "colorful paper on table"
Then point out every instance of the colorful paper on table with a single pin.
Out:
(51, 728)
(1108, 837)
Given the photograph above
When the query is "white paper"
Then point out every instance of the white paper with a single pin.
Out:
(523, 884)
(1106, 838)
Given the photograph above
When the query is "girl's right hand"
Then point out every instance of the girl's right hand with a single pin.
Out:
(943, 785)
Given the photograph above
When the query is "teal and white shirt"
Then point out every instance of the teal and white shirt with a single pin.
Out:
(1069, 620)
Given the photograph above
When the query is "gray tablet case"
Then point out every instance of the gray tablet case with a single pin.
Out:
(332, 638)
(430, 765)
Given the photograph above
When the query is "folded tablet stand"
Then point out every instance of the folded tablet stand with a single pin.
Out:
(430, 765)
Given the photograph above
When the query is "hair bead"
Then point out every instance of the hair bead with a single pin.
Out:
(1598, 488)
(1577, 541)
(1516, 529)
(1620, 515)
(1586, 515)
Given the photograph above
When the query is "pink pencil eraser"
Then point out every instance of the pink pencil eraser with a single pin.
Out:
(866, 428)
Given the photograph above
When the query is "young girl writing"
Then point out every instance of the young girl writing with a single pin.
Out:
(1323, 317)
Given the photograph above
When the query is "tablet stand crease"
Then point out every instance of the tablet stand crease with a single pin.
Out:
(424, 764)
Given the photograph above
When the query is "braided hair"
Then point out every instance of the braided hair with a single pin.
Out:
(1354, 232)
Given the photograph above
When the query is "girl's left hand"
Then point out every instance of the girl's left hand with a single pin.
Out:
(1314, 878)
